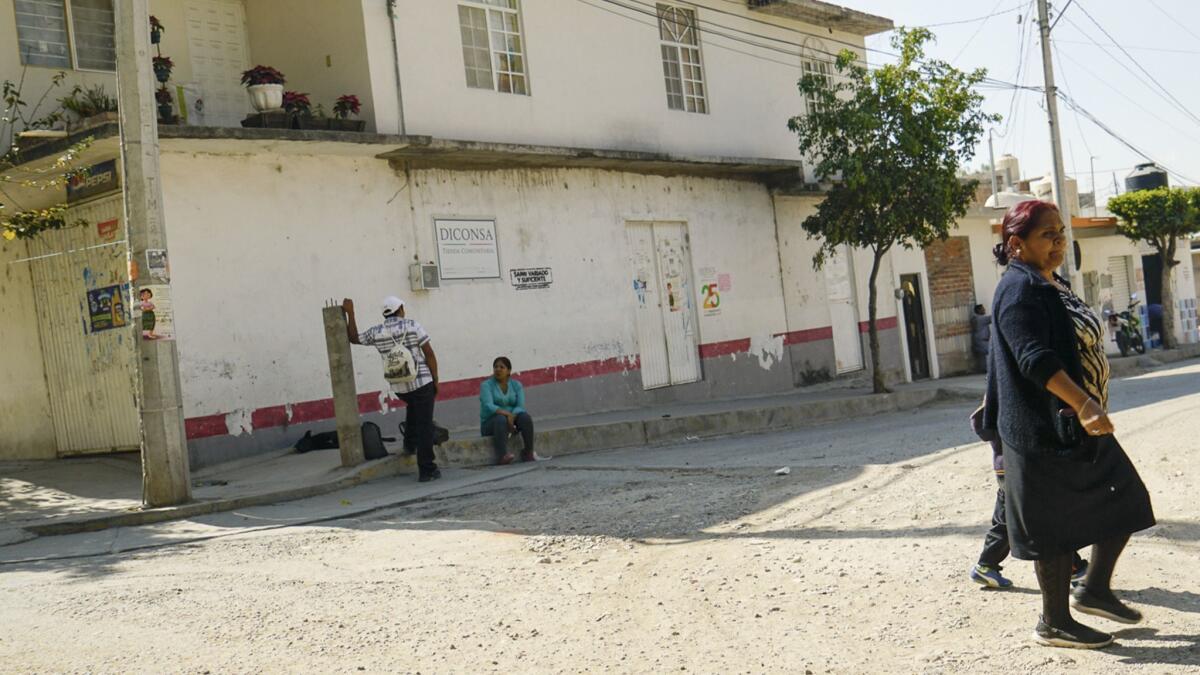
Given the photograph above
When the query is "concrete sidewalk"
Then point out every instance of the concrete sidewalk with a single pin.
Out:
(90, 494)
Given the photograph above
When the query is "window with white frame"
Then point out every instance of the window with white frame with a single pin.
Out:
(682, 70)
(66, 34)
(493, 50)
(819, 70)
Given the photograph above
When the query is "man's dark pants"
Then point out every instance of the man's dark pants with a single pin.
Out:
(418, 425)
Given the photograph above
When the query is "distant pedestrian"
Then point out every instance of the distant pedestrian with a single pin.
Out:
(502, 412)
(981, 335)
(1068, 482)
(988, 571)
(410, 367)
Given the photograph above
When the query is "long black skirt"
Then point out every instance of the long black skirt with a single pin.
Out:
(1057, 505)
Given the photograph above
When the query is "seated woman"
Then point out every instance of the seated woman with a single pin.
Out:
(502, 412)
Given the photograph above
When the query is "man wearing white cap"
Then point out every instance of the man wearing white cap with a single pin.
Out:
(410, 367)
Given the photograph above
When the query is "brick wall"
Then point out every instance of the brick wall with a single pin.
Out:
(952, 297)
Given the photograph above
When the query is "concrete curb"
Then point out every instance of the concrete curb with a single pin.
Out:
(478, 452)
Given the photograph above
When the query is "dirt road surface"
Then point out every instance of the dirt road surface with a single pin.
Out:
(689, 558)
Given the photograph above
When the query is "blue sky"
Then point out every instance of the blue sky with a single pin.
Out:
(1163, 36)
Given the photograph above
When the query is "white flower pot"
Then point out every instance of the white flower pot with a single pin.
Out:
(266, 97)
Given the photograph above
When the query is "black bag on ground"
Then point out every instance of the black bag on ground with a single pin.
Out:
(320, 441)
(440, 435)
(372, 441)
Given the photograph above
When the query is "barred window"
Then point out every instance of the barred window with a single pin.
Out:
(682, 69)
(820, 70)
(66, 34)
(493, 49)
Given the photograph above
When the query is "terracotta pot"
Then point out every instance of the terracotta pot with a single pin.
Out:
(266, 96)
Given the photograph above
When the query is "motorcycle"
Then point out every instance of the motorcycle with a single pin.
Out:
(1127, 328)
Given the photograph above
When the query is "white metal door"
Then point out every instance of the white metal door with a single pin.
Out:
(651, 335)
(679, 317)
(81, 286)
(660, 262)
(1118, 269)
(843, 312)
(216, 34)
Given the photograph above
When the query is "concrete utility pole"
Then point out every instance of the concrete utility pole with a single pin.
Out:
(992, 160)
(345, 393)
(166, 475)
(1060, 192)
(1095, 195)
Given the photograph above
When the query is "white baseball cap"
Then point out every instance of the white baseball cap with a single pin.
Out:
(391, 304)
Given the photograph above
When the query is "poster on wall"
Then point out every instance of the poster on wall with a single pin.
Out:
(156, 265)
(154, 312)
(96, 179)
(107, 230)
(106, 309)
(530, 278)
(467, 249)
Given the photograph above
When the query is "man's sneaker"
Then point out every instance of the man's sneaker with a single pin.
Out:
(506, 459)
(432, 475)
(1111, 608)
(1077, 636)
(1079, 572)
(989, 577)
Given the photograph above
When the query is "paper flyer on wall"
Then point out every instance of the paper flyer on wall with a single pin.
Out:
(154, 312)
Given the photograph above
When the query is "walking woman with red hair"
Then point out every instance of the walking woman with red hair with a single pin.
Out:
(1069, 484)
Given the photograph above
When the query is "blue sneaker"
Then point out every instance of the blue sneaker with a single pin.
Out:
(989, 577)
(1079, 572)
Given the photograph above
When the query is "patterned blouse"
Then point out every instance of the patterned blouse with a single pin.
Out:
(1089, 335)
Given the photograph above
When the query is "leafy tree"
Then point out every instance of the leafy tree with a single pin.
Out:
(1160, 217)
(892, 139)
(18, 115)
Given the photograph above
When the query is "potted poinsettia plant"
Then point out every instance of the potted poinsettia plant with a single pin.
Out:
(265, 85)
(166, 109)
(345, 106)
(156, 30)
(163, 65)
(298, 108)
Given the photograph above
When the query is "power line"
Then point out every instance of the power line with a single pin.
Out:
(1177, 23)
(1066, 99)
(976, 33)
(1136, 63)
(1022, 46)
(1145, 49)
(978, 18)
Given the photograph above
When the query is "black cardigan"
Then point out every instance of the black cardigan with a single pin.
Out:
(1033, 338)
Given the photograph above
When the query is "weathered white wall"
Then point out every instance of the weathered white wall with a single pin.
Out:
(252, 269)
(977, 227)
(804, 287)
(1195, 270)
(596, 80)
(297, 36)
(26, 428)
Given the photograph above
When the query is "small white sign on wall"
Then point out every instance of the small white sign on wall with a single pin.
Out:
(467, 249)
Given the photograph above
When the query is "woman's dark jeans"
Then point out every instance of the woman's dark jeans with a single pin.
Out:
(497, 428)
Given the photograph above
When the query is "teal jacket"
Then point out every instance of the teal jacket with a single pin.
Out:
(492, 400)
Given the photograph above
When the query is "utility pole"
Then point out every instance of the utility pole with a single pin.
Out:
(1060, 192)
(166, 475)
(992, 160)
(1095, 196)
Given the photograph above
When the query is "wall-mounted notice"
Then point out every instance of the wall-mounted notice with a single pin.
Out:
(529, 278)
(467, 249)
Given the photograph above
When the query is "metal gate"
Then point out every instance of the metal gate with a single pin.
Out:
(81, 287)
(843, 312)
(665, 315)
(1122, 276)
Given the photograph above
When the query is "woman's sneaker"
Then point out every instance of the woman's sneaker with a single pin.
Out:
(989, 577)
(1109, 608)
(1077, 636)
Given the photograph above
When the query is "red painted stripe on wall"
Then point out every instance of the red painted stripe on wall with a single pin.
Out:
(206, 426)
(885, 323)
(713, 350)
(322, 409)
(797, 337)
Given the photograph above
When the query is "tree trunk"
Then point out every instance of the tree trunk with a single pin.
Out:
(872, 330)
(1167, 258)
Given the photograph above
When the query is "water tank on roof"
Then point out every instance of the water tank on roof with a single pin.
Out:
(1145, 177)
(1009, 169)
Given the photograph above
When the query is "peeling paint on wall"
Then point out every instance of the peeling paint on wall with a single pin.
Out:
(768, 349)
(239, 422)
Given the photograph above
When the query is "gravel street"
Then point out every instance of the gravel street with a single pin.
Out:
(689, 558)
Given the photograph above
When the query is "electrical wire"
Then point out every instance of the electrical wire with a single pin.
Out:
(1177, 23)
(1070, 102)
(1144, 49)
(978, 29)
(1179, 103)
(978, 18)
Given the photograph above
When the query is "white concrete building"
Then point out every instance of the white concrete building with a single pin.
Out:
(634, 199)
